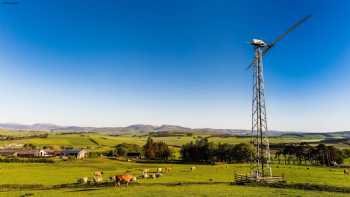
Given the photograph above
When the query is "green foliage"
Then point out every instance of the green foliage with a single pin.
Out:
(129, 147)
(319, 155)
(121, 151)
(346, 153)
(242, 152)
(29, 146)
(156, 150)
(204, 151)
(124, 148)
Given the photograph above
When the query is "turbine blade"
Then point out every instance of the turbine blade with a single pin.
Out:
(280, 37)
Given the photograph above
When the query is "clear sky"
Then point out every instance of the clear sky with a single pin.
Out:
(121, 62)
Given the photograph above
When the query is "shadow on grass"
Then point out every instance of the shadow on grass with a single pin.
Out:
(85, 190)
(92, 187)
(89, 187)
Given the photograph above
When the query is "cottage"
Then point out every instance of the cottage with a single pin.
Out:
(42, 153)
(77, 153)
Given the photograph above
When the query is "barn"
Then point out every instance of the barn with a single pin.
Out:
(77, 153)
(30, 153)
(8, 152)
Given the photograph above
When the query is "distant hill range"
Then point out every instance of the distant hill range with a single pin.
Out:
(145, 129)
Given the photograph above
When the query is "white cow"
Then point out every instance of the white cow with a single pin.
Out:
(83, 180)
(145, 175)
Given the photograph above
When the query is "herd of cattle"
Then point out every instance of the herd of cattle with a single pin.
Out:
(97, 177)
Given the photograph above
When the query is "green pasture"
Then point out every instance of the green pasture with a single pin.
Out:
(6, 132)
(100, 141)
(221, 190)
(206, 180)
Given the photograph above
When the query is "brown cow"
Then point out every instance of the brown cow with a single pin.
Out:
(123, 179)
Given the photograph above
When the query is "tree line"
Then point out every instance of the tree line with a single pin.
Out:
(199, 151)
(204, 151)
(303, 153)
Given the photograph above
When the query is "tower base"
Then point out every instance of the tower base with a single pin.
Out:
(245, 179)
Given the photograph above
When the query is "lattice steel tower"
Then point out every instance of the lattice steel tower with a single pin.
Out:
(260, 162)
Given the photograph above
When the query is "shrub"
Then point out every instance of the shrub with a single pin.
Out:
(31, 160)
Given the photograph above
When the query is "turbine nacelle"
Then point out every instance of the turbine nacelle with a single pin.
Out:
(258, 43)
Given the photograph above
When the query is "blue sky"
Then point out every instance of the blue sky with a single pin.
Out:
(115, 63)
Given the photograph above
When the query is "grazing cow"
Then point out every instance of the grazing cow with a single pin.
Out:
(97, 176)
(158, 174)
(98, 173)
(159, 169)
(346, 172)
(146, 170)
(193, 168)
(153, 176)
(145, 175)
(134, 179)
(97, 179)
(119, 179)
(83, 180)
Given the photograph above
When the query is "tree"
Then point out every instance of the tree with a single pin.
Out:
(149, 149)
(29, 146)
(242, 152)
(156, 150)
(125, 148)
(121, 151)
(162, 151)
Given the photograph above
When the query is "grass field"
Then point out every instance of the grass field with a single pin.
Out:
(97, 141)
(206, 180)
(177, 191)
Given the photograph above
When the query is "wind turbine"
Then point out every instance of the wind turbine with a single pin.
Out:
(260, 163)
